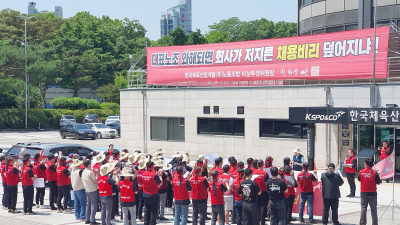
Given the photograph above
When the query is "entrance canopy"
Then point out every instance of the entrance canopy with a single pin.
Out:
(367, 116)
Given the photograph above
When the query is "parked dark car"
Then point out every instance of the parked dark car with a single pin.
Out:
(91, 118)
(116, 126)
(77, 131)
(46, 148)
(16, 149)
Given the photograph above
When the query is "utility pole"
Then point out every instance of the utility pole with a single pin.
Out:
(373, 90)
(26, 68)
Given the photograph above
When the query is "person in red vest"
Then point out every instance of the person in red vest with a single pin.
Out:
(115, 209)
(51, 174)
(217, 189)
(105, 182)
(218, 165)
(199, 186)
(290, 195)
(162, 189)
(181, 188)
(369, 179)
(39, 169)
(233, 173)
(307, 191)
(98, 160)
(237, 196)
(3, 162)
(27, 177)
(350, 165)
(268, 162)
(228, 195)
(63, 182)
(127, 190)
(254, 168)
(107, 154)
(110, 149)
(12, 176)
(250, 163)
(151, 181)
(141, 171)
(384, 152)
(261, 178)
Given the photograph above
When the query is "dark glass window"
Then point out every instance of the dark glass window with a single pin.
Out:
(206, 109)
(240, 110)
(216, 109)
(351, 27)
(319, 31)
(306, 33)
(222, 126)
(334, 29)
(167, 129)
(282, 128)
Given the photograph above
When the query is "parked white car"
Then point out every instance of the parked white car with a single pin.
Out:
(112, 119)
(102, 130)
(67, 119)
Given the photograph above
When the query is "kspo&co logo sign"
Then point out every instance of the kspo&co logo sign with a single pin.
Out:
(334, 117)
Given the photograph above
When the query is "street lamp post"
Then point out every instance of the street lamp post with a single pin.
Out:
(26, 74)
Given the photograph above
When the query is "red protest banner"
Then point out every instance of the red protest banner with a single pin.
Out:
(385, 167)
(318, 203)
(341, 55)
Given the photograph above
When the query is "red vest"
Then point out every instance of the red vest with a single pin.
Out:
(383, 153)
(2, 172)
(305, 185)
(233, 174)
(350, 161)
(180, 190)
(291, 190)
(164, 185)
(218, 199)
(139, 179)
(12, 178)
(150, 186)
(36, 170)
(199, 191)
(105, 189)
(51, 175)
(226, 177)
(220, 170)
(25, 178)
(367, 180)
(232, 171)
(62, 179)
(236, 187)
(126, 192)
(260, 179)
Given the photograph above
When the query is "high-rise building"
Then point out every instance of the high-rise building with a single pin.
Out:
(32, 10)
(180, 15)
(58, 11)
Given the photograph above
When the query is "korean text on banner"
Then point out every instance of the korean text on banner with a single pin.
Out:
(385, 168)
(304, 57)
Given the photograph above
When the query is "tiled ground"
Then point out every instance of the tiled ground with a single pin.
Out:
(349, 210)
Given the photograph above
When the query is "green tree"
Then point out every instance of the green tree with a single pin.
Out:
(109, 92)
(217, 37)
(121, 81)
(179, 36)
(196, 38)
(165, 41)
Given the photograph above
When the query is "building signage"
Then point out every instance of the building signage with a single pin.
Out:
(304, 57)
(368, 116)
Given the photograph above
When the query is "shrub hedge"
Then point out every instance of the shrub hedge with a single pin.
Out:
(48, 118)
(74, 103)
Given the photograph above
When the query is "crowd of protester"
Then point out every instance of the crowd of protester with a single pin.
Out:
(140, 187)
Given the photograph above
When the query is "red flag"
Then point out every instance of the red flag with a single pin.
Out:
(385, 167)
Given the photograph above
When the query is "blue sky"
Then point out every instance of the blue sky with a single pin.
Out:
(205, 12)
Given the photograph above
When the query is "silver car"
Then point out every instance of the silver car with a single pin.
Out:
(112, 119)
(67, 119)
(102, 130)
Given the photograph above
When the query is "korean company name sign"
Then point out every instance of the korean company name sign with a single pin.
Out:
(341, 55)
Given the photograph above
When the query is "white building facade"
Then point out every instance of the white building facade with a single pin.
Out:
(250, 121)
